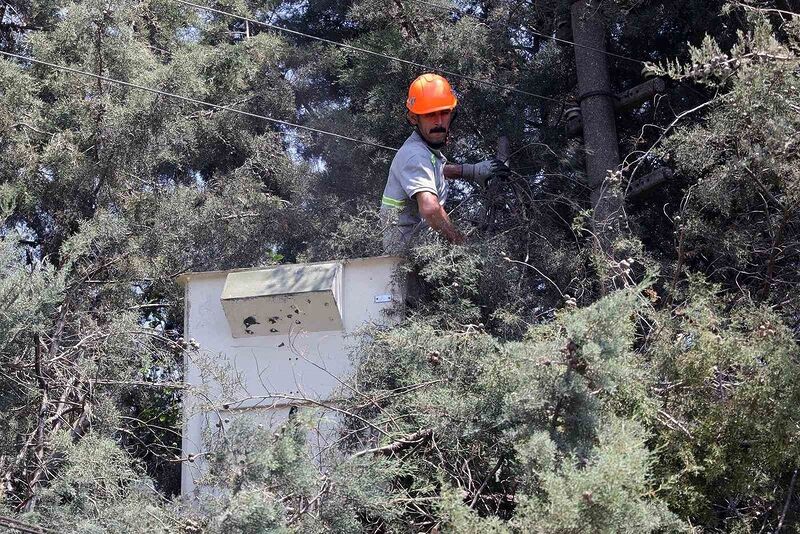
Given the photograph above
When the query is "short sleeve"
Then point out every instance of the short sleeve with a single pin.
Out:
(418, 175)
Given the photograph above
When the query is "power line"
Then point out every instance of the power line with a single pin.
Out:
(367, 51)
(196, 101)
(534, 32)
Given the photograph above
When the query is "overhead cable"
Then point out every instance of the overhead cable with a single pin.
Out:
(534, 32)
(196, 101)
(367, 51)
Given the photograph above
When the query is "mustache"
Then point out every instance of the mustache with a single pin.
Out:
(438, 130)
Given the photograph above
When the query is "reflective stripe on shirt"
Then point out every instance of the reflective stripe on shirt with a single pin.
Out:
(393, 202)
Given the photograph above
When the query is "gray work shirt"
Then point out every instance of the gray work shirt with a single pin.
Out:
(415, 168)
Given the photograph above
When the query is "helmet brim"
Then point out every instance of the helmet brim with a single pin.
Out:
(433, 109)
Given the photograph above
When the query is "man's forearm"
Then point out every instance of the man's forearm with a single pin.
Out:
(479, 173)
(453, 170)
(440, 221)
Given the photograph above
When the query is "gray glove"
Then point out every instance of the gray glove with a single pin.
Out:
(484, 171)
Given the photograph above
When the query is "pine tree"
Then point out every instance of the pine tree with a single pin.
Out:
(535, 388)
(112, 192)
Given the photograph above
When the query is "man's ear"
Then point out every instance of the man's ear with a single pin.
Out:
(411, 118)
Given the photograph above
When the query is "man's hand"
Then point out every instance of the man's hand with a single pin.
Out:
(484, 171)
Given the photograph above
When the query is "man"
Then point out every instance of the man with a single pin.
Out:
(416, 190)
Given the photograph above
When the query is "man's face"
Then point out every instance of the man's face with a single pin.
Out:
(434, 126)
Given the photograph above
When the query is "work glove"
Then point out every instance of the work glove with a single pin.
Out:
(484, 171)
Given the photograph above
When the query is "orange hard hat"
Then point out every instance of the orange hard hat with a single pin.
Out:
(429, 93)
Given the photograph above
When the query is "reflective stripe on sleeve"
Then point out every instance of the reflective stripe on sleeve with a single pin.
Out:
(393, 202)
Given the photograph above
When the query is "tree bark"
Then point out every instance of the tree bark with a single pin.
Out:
(597, 108)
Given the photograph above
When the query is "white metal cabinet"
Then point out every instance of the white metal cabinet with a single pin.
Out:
(262, 367)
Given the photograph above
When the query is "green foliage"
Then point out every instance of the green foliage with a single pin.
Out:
(523, 393)
(357, 496)
(251, 511)
(728, 374)
(265, 481)
(457, 517)
(28, 295)
(528, 418)
(239, 459)
(610, 491)
(98, 489)
(743, 158)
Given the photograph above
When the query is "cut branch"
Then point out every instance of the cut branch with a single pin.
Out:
(19, 526)
(788, 501)
(408, 441)
(486, 481)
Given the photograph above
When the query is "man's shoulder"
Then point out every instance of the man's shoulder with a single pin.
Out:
(412, 147)
(411, 159)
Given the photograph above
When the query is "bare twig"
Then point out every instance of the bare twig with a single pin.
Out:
(748, 7)
(305, 399)
(676, 423)
(644, 157)
(323, 490)
(774, 253)
(538, 271)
